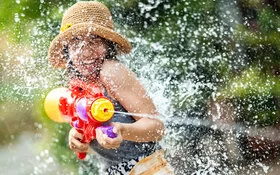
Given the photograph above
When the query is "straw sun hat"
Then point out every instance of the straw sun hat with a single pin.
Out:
(83, 19)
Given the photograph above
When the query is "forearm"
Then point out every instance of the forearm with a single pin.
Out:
(143, 130)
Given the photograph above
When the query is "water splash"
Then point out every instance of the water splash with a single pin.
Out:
(135, 114)
(270, 133)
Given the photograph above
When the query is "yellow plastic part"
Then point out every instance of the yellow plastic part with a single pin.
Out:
(65, 27)
(102, 110)
(52, 102)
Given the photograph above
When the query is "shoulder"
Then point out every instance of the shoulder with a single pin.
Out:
(113, 68)
(115, 76)
(123, 85)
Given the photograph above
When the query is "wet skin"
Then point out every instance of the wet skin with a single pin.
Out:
(87, 55)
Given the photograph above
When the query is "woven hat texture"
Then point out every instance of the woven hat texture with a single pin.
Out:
(85, 18)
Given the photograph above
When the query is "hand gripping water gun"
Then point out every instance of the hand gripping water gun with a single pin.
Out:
(84, 106)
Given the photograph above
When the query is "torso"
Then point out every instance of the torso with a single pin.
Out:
(128, 150)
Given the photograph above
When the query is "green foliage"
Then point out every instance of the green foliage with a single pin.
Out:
(27, 27)
(251, 82)
(255, 90)
(7, 12)
(255, 97)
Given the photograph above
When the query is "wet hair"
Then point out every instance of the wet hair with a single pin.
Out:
(111, 50)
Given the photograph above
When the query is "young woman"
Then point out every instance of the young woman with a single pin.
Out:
(87, 47)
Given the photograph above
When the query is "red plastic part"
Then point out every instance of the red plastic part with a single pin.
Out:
(80, 89)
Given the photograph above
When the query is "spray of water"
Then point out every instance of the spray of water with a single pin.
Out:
(135, 114)
(270, 133)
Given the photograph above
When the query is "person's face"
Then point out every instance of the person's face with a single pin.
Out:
(87, 54)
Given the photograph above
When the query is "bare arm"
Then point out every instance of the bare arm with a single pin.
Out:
(123, 85)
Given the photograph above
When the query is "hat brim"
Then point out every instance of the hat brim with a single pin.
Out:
(56, 53)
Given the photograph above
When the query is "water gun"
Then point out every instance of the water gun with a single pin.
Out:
(84, 106)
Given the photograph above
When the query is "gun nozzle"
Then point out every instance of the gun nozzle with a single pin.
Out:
(101, 110)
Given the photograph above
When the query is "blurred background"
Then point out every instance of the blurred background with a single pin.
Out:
(211, 67)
